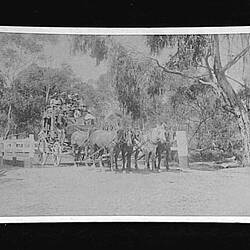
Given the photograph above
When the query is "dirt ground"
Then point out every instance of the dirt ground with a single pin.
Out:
(70, 190)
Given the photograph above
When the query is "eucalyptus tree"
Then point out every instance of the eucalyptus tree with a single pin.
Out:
(135, 78)
(17, 52)
(203, 59)
(218, 56)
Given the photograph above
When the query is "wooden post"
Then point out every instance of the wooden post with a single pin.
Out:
(14, 147)
(32, 145)
(31, 149)
(182, 147)
(1, 152)
(28, 162)
(1, 159)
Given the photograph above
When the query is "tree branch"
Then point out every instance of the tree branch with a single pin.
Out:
(228, 109)
(235, 60)
(198, 128)
(209, 68)
(240, 83)
(198, 78)
(172, 71)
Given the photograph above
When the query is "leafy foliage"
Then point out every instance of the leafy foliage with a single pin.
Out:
(136, 81)
(190, 49)
(27, 95)
(211, 127)
(17, 51)
(95, 46)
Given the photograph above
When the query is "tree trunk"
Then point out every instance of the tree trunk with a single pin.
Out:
(47, 95)
(8, 123)
(244, 127)
(242, 116)
(233, 99)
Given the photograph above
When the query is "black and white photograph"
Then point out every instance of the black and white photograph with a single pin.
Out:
(124, 122)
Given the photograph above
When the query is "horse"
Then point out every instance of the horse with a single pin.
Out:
(102, 140)
(125, 144)
(152, 143)
(164, 147)
(79, 144)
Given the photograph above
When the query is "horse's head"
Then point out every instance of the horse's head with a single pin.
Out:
(129, 137)
(137, 135)
(160, 134)
(121, 136)
(170, 138)
(126, 136)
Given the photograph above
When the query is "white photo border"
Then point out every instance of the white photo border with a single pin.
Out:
(125, 31)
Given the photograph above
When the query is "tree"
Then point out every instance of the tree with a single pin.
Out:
(28, 95)
(211, 128)
(17, 52)
(205, 51)
(97, 47)
(200, 59)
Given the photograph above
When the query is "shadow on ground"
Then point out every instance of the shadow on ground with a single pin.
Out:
(144, 171)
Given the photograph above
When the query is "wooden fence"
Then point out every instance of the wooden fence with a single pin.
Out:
(22, 152)
(18, 152)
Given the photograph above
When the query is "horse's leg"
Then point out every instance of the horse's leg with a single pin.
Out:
(94, 156)
(129, 159)
(75, 150)
(159, 154)
(114, 156)
(167, 159)
(111, 159)
(123, 158)
(130, 156)
(101, 158)
(118, 150)
(85, 152)
(147, 157)
(153, 160)
(136, 157)
(159, 159)
(79, 151)
(81, 154)
(115, 159)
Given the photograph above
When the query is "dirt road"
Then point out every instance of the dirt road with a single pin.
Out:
(70, 190)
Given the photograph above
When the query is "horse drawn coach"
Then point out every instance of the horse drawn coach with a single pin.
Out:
(69, 128)
(61, 119)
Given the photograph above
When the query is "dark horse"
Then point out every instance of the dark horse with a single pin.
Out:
(126, 141)
(164, 148)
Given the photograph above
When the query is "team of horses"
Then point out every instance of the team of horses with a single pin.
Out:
(151, 144)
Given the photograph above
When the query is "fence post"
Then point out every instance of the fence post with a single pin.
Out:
(182, 147)
(29, 161)
(1, 152)
(14, 147)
